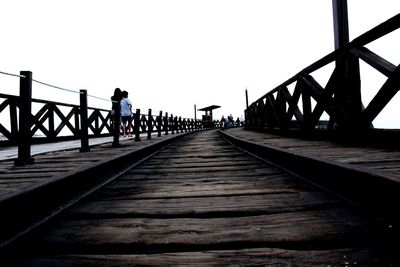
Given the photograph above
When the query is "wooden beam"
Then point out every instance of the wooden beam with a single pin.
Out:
(374, 60)
(382, 98)
(340, 23)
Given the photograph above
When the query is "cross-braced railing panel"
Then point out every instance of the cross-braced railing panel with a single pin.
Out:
(99, 122)
(9, 125)
(51, 121)
(340, 99)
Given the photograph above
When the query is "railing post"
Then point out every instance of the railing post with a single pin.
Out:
(340, 23)
(166, 123)
(14, 120)
(137, 126)
(185, 125)
(52, 134)
(180, 126)
(84, 121)
(172, 124)
(117, 123)
(25, 114)
(149, 124)
(159, 124)
(176, 124)
(247, 100)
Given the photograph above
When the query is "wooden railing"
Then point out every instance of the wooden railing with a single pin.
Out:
(341, 97)
(55, 121)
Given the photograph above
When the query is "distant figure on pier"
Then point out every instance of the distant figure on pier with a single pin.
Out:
(116, 114)
(241, 120)
(230, 121)
(223, 122)
(126, 114)
(116, 98)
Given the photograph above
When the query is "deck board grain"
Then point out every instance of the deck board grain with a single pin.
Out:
(202, 202)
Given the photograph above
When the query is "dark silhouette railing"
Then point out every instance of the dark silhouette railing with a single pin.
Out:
(341, 97)
(55, 121)
(51, 121)
(99, 122)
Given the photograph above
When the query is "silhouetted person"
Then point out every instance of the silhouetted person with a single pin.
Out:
(116, 114)
(126, 114)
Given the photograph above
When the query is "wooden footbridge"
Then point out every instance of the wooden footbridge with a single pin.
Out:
(288, 189)
(198, 201)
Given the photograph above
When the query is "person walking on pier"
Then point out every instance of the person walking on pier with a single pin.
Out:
(116, 113)
(126, 114)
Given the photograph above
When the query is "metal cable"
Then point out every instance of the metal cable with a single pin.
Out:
(56, 87)
(11, 74)
(104, 99)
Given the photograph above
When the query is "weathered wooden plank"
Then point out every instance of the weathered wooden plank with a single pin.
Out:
(326, 228)
(239, 257)
(208, 164)
(192, 190)
(6, 176)
(197, 155)
(200, 170)
(207, 206)
(57, 169)
(183, 161)
(168, 185)
(270, 172)
(207, 167)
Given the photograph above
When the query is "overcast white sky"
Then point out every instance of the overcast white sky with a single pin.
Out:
(170, 55)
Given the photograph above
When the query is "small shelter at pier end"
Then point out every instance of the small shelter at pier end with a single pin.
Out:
(208, 118)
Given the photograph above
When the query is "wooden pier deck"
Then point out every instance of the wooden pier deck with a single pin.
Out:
(380, 159)
(56, 164)
(201, 201)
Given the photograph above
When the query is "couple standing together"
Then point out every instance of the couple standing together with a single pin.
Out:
(125, 110)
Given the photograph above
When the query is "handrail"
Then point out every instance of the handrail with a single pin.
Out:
(340, 99)
(52, 118)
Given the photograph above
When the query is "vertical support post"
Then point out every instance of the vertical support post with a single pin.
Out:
(149, 124)
(172, 124)
(52, 133)
(195, 112)
(340, 23)
(96, 123)
(166, 123)
(14, 120)
(180, 124)
(137, 126)
(25, 114)
(84, 121)
(348, 92)
(307, 110)
(247, 99)
(159, 124)
(117, 124)
(281, 109)
(77, 119)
